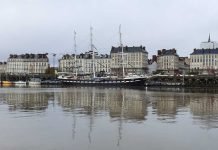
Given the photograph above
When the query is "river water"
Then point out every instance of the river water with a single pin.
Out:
(87, 118)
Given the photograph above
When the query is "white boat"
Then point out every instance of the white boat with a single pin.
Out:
(20, 83)
(135, 76)
(35, 82)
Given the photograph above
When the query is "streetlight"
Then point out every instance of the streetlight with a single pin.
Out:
(53, 54)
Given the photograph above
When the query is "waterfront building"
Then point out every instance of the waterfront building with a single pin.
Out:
(167, 61)
(27, 64)
(184, 65)
(204, 60)
(83, 63)
(3, 66)
(152, 65)
(134, 60)
(209, 44)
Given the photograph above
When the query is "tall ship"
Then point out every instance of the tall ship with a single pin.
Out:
(107, 80)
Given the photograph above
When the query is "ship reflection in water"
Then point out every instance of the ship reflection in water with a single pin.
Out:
(108, 118)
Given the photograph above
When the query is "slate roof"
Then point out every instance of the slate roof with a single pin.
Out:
(204, 51)
(28, 56)
(127, 49)
(165, 52)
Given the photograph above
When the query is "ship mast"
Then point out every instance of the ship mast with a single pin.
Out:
(121, 45)
(75, 63)
(93, 53)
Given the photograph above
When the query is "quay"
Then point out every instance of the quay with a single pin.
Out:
(155, 80)
(183, 80)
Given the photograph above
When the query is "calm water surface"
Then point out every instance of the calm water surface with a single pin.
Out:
(108, 119)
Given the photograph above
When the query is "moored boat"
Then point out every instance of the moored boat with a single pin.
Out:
(102, 81)
(20, 83)
(34, 82)
(7, 83)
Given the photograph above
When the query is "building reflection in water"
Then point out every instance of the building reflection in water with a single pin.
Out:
(205, 110)
(122, 104)
(202, 106)
(167, 105)
(125, 103)
(26, 101)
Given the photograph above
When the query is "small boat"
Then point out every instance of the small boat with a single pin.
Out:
(20, 83)
(34, 82)
(7, 83)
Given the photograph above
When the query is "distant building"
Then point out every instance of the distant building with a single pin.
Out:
(27, 64)
(167, 61)
(209, 44)
(152, 65)
(204, 59)
(135, 60)
(84, 63)
(184, 65)
(3, 66)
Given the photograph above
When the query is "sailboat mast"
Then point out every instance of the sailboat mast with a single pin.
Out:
(121, 44)
(75, 63)
(93, 52)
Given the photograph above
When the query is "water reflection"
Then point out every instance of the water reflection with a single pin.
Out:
(205, 110)
(25, 101)
(167, 105)
(107, 118)
(118, 104)
(121, 103)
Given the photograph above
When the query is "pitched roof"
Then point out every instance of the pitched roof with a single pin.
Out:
(127, 49)
(204, 51)
(28, 56)
(164, 52)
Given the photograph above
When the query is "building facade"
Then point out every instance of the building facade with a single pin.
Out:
(27, 64)
(3, 66)
(134, 60)
(202, 60)
(209, 44)
(184, 65)
(167, 61)
(83, 63)
(152, 65)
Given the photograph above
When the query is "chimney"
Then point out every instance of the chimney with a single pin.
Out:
(154, 58)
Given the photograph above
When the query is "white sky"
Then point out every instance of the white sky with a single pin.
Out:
(40, 26)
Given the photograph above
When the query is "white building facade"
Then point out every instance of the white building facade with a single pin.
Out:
(204, 59)
(3, 66)
(167, 61)
(134, 60)
(27, 64)
(209, 44)
(83, 64)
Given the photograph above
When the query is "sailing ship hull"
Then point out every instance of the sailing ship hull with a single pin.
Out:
(117, 83)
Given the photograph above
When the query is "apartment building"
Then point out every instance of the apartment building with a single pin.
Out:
(83, 63)
(204, 59)
(3, 66)
(27, 64)
(167, 61)
(134, 60)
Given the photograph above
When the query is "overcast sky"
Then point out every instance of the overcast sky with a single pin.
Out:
(39, 26)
